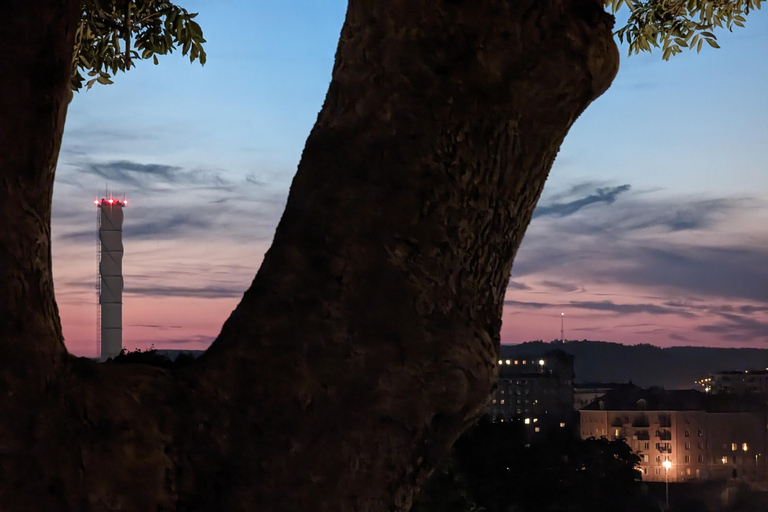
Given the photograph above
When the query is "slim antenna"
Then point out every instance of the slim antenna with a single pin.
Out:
(562, 327)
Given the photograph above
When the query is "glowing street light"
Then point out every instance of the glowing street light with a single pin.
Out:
(667, 465)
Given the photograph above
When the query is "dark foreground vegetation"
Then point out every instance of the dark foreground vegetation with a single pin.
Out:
(493, 468)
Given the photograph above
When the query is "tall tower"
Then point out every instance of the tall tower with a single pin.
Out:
(562, 327)
(111, 275)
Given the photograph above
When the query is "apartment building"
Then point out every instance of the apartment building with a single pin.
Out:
(536, 389)
(736, 382)
(701, 436)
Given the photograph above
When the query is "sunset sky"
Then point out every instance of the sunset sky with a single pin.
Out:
(653, 226)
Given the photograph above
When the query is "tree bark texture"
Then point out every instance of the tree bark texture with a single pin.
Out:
(368, 340)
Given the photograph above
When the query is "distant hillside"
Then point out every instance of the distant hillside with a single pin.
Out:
(646, 365)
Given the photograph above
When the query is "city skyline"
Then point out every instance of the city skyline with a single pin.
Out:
(651, 229)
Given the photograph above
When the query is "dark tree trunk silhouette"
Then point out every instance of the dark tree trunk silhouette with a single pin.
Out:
(367, 341)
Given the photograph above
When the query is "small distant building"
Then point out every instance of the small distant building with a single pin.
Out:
(702, 436)
(587, 392)
(736, 382)
(536, 389)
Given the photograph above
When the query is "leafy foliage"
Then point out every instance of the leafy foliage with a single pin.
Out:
(675, 24)
(112, 34)
(496, 469)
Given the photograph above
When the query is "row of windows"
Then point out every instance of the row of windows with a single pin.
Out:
(518, 392)
(657, 471)
(518, 401)
(524, 361)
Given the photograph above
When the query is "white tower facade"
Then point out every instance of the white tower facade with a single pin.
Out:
(111, 275)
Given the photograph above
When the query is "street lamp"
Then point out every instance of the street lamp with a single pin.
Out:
(667, 465)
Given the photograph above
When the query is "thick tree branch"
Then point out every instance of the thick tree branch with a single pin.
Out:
(368, 339)
(36, 43)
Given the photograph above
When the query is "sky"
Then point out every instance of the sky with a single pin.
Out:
(652, 228)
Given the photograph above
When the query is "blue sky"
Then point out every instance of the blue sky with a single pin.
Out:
(653, 226)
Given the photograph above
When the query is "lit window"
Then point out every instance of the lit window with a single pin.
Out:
(527, 421)
(725, 459)
(537, 429)
(733, 447)
(525, 362)
(507, 361)
(502, 421)
(501, 362)
(562, 425)
(744, 447)
(541, 362)
(515, 361)
(535, 420)
(493, 401)
(502, 402)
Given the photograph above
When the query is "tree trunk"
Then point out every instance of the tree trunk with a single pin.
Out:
(368, 339)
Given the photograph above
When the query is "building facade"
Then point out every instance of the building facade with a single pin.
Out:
(736, 382)
(700, 437)
(538, 390)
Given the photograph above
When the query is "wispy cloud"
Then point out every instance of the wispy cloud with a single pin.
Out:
(562, 286)
(605, 195)
(650, 249)
(612, 307)
(139, 175)
(207, 292)
(516, 285)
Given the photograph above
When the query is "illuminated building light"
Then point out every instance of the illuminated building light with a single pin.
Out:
(527, 421)
(744, 447)
(562, 425)
(507, 361)
(501, 362)
(541, 362)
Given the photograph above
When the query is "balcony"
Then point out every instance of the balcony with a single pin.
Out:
(664, 435)
(642, 435)
(641, 421)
